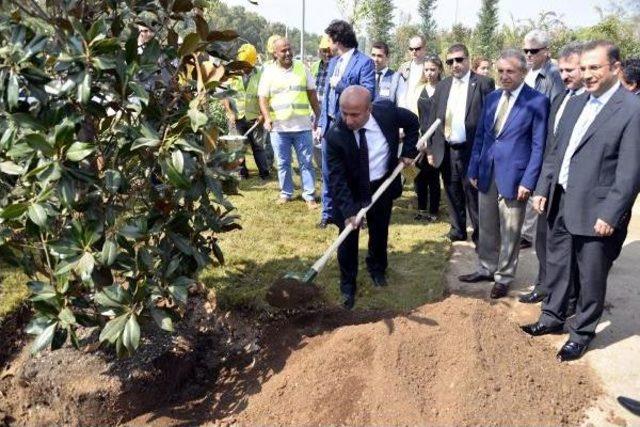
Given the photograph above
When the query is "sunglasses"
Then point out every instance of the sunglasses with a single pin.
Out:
(415, 49)
(532, 51)
(458, 59)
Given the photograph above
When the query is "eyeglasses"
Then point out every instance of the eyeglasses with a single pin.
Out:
(532, 51)
(415, 49)
(458, 59)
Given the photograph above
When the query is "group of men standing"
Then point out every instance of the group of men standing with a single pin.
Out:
(552, 159)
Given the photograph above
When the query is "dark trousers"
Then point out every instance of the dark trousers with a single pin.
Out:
(460, 193)
(427, 184)
(583, 262)
(378, 219)
(258, 149)
(541, 253)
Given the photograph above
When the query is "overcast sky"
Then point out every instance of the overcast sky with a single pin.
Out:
(319, 13)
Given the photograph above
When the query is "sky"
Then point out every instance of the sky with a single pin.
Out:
(319, 13)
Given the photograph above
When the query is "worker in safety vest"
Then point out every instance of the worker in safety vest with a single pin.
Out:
(243, 110)
(287, 94)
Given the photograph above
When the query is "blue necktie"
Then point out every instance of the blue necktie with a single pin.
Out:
(363, 151)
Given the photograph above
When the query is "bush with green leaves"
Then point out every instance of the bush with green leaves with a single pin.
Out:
(111, 176)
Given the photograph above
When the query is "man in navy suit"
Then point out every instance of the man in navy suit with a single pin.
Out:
(348, 67)
(387, 80)
(361, 152)
(505, 164)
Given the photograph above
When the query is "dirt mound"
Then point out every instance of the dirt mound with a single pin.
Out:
(457, 362)
(288, 293)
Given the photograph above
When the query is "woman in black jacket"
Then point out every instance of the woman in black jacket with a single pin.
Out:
(427, 182)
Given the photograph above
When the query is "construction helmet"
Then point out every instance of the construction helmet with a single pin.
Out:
(325, 43)
(271, 43)
(248, 53)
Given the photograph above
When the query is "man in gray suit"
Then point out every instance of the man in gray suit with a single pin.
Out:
(588, 186)
(569, 66)
(544, 77)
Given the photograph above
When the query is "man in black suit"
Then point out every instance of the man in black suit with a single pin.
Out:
(589, 184)
(362, 151)
(458, 102)
(569, 66)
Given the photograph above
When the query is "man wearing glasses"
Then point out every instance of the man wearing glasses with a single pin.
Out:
(588, 186)
(458, 102)
(411, 71)
(544, 77)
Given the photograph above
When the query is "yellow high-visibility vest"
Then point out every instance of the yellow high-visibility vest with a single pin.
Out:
(288, 97)
(246, 98)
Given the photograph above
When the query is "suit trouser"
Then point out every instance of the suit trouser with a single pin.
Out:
(460, 193)
(529, 228)
(591, 259)
(259, 152)
(499, 239)
(378, 219)
(540, 242)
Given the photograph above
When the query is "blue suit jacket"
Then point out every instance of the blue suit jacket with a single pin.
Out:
(513, 157)
(359, 71)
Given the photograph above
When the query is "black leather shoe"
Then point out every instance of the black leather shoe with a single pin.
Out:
(499, 290)
(525, 244)
(323, 223)
(475, 277)
(571, 351)
(348, 301)
(537, 329)
(532, 298)
(457, 237)
(379, 280)
(630, 405)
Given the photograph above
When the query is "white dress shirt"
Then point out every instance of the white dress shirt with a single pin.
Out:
(512, 101)
(458, 100)
(531, 77)
(344, 61)
(587, 116)
(377, 147)
(565, 101)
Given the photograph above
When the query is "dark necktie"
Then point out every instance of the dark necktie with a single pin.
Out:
(363, 150)
(378, 76)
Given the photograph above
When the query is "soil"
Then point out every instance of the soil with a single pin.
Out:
(289, 293)
(456, 362)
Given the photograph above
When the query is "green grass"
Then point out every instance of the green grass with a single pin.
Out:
(276, 239)
(13, 290)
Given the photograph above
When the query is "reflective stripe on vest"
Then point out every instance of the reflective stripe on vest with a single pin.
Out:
(288, 97)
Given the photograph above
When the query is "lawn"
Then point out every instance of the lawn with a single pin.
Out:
(13, 290)
(276, 239)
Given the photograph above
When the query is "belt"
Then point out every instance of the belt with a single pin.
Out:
(457, 145)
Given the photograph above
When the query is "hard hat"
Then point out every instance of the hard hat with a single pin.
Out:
(248, 53)
(271, 48)
(325, 43)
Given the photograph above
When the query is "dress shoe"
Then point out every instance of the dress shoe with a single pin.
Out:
(457, 237)
(499, 290)
(532, 298)
(379, 280)
(348, 301)
(571, 351)
(525, 243)
(537, 329)
(630, 405)
(475, 277)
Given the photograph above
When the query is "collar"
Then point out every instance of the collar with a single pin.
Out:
(383, 71)
(464, 79)
(605, 97)
(371, 124)
(579, 91)
(515, 93)
(348, 54)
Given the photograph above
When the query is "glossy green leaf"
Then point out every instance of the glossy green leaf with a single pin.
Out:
(112, 180)
(14, 211)
(38, 215)
(79, 150)
(84, 89)
(131, 334)
(114, 328)
(13, 89)
(189, 44)
(109, 252)
(11, 168)
(43, 340)
(162, 319)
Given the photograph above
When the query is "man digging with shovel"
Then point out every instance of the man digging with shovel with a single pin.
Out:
(362, 150)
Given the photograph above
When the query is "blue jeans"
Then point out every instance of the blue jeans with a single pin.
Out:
(302, 142)
(327, 201)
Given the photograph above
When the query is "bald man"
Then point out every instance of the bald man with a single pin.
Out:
(362, 151)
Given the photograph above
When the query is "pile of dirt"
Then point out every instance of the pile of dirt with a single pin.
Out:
(288, 293)
(456, 362)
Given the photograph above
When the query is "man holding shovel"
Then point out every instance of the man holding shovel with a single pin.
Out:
(361, 153)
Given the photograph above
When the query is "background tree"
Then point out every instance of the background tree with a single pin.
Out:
(400, 40)
(428, 24)
(485, 40)
(379, 20)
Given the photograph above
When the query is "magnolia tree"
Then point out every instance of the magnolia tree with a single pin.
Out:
(112, 178)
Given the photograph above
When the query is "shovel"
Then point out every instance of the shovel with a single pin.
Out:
(294, 289)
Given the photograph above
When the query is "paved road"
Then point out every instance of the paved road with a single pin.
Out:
(615, 352)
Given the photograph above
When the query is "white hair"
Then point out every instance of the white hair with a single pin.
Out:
(538, 37)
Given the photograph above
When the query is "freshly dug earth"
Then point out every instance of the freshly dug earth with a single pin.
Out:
(456, 362)
(288, 293)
